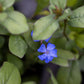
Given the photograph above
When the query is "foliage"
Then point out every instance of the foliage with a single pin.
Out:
(62, 26)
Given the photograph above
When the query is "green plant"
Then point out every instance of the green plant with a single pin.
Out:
(63, 24)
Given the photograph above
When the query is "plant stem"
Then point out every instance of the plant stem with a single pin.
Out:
(41, 42)
(64, 31)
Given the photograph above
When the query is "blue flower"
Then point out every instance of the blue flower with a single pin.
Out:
(47, 39)
(48, 53)
(38, 40)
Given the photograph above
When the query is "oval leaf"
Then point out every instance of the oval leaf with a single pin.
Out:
(65, 54)
(9, 74)
(15, 23)
(69, 75)
(16, 61)
(77, 18)
(45, 27)
(6, 3)
(63, 57)
(17, 46)
(3, 17)
(61, 62)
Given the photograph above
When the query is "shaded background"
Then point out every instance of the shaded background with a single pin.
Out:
(27, 7)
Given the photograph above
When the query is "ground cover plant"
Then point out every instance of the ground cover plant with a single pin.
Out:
(57, 37)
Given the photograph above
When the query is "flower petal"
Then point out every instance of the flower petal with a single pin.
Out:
(47, 39)
(42, 48)
(53, 53)
(31, 33)
(42, 57)
(36, 40)
(50, 46)
(48, 59)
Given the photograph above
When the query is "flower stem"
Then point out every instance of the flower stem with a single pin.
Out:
(41, 42)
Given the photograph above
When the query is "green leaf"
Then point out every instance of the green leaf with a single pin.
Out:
(54, 81)
(63, 57)
(41, 6)
(6, 3)
(71, 3)
(69, 75)
(45, 27)
(15, 22)
(80, 40)
(81, 62)
(60, 61)
(77, 18)
(75, 3)
(2, 41)
(16, 61)
(76, 29)
(59, 42)
(10, 9)
(61, 4)
(3, 30)
(70, 45)
(29, 82)
(9, 74)
(28, 38)
(51, 7)
(3, 17)
(17, 46)
(66, 14)
(72, 35)
(65, 54)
